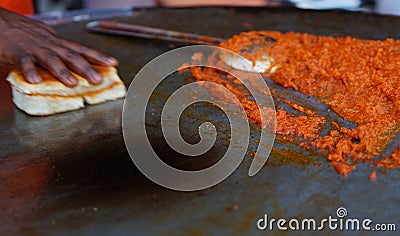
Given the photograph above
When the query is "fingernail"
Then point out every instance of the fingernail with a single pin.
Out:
(96, 77)
(112, 61)
(72, 81)
(35, 79)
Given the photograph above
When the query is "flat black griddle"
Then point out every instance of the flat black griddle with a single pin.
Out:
(71, 174)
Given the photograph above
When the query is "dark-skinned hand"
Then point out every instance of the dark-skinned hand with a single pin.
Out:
(27, 43)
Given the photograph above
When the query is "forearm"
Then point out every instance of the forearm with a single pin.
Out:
(3, 15)
(6, 17)
(4, 27)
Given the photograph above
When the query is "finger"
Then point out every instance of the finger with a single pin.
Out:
(12, 54)
(79, 65)
(57, 68)
(91, 55)
(29, 70)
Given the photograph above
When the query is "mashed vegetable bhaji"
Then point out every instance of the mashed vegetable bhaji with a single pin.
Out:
(358, 79)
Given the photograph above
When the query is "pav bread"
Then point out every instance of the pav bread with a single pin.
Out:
(51, 96)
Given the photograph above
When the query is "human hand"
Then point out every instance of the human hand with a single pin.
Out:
(27, 43)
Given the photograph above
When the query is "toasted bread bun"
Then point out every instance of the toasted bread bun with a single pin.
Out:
(51, 96)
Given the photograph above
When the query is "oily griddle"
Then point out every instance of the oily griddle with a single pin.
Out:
(71, 173)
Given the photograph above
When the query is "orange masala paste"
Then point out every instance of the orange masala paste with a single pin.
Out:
(358, 79)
